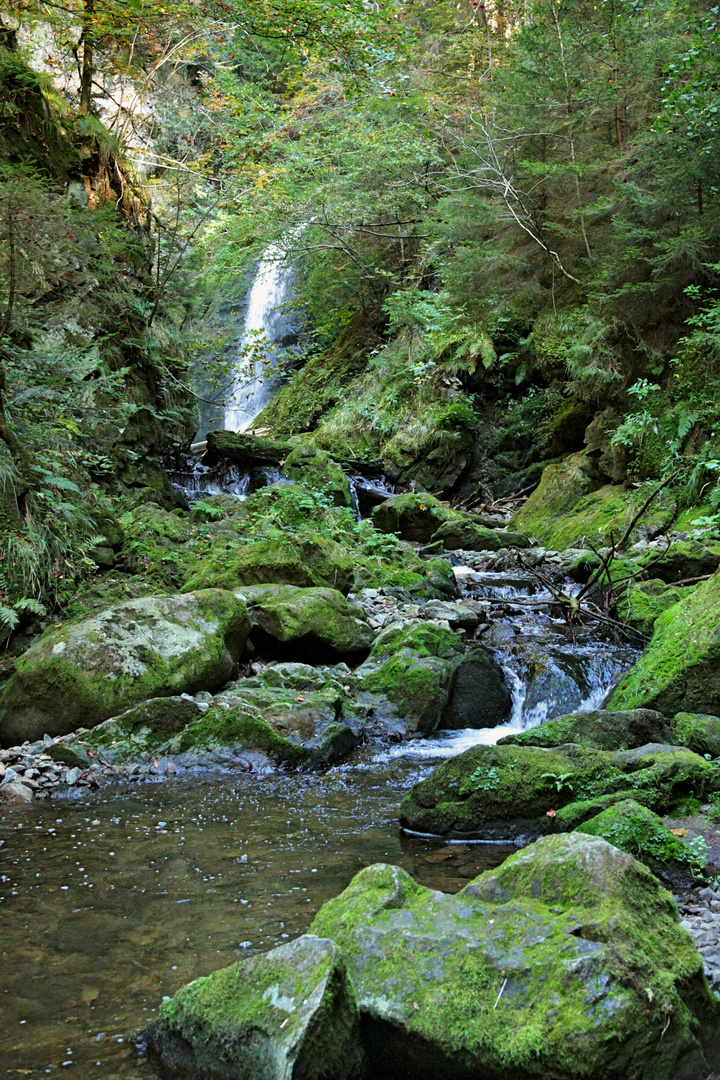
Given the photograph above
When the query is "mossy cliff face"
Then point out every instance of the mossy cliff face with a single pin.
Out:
(289, 1014)
(318, 625)
(502, 792)
(680, 671)
(601, 729)
(92, 669)
(566, 963)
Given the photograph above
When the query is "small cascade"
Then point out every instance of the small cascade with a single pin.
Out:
(268, 335)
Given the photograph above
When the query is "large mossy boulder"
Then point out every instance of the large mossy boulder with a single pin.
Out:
(644, 835)
(89, 670)
(415, 516)
(569, 508)
(479, 696)
(566, 963)
(291, 714)
(289, 1014)
(316, 469)
(680, 671)
(305, 560)
(684, 560)
(468, 535)
(318, 625)
(601, 729)
(411, 666)
(504, 792)
(244, 449)
(699, 732)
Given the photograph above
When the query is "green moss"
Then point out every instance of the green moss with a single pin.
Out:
(413, 516)
(600, 728)
(308, 560)
(642, 603)
(641, 833)
(699, 732)
(680, 671)
(241, 726)
(420, 639)
(316, 469)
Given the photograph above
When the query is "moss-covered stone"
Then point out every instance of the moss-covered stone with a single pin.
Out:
(289, 1014)
(501, 792)
(92, 669)
(305, 560)
(568, 508)
(469, 536)
(640, 604)
(318, 625)
(566, 962)
(699, 732)
(680, 671)
(415, 516)
(316, 469)
(600, 729)
(684, 560)
(641, 833)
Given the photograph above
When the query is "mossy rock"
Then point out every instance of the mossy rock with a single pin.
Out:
(568, 508)
(91, 669)
(244, 449)
(469, 536)
(600, 729)
(289, 1014)
(306, 560)
(318, 625)
(411, 666)
(640, 605)
(316, 469)
(147, 726)
(684, 560)
(505, 791)
(680, 670)
(568, 961)
(413, 516)
(644, 835)
(699, 732)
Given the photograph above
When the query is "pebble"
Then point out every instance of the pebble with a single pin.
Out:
(700, 916)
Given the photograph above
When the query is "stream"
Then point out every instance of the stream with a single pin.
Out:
(110, 900)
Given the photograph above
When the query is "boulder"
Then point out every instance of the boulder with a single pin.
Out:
(241, 448)
(680, 670)
(684, 560)
(479, 696)
(415, 516)
(633, 828)
(318, 625)
(410, 666)
(642, 602)
(467, 535)
(699, 732)
(316, 469)
(307, 560)
(600, 729)
(288, 1014)
(504, 792)
(15, 794)
(94, 668)
(567, 961)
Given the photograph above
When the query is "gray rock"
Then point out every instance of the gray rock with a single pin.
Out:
(15, 792)
(479, 696)
(289, 1014)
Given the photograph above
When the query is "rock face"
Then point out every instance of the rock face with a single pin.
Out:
(316, 625)
(479, 696)
(568, 961)
(289, 1014)
(503, 792)
(316, 469)
(641, 833)
(680, 671)
(413, 516)
(90, 670)
(411, 666)
(600, 729)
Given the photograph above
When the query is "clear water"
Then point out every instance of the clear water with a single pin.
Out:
(109, 903)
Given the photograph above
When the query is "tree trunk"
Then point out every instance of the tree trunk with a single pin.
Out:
(88, 70)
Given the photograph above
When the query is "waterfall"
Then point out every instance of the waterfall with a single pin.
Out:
(266, 334)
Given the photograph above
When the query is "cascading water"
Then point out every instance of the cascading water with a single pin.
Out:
(268, 335)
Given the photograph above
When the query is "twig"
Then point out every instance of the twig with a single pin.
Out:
(500, 995)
